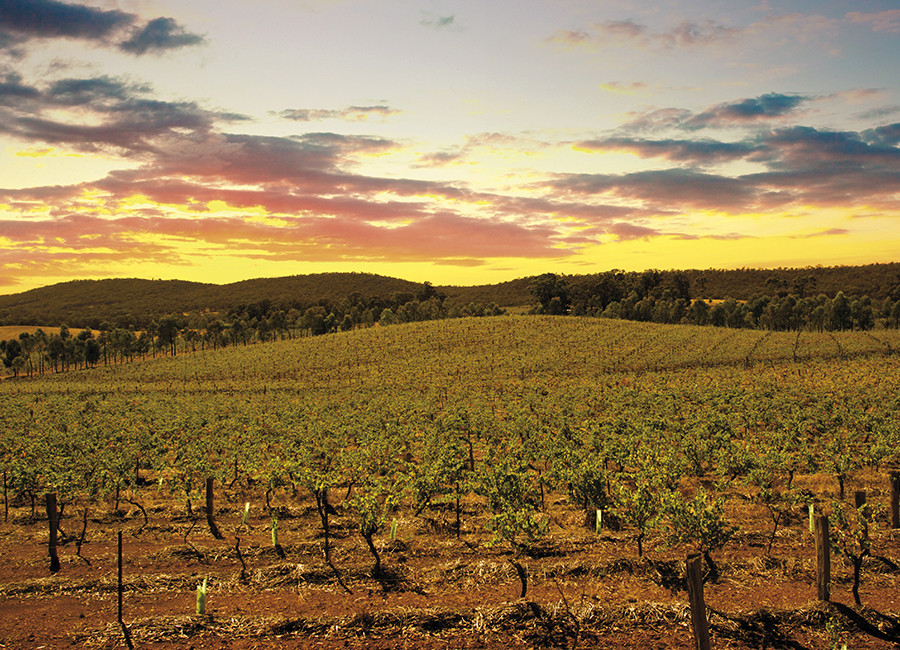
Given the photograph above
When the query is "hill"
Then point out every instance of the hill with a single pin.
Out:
(133, 302)
(127, 302)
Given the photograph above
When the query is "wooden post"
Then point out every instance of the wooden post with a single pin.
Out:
(120, 578)
(209, 510)
(53, 521)
(895, 499)
(823, 559)
(859, 498)
(121, 620)
(698, 606)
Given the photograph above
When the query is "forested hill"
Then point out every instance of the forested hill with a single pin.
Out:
(130, 301)
(125, 302)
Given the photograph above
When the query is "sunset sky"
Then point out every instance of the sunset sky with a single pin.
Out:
(460, 142)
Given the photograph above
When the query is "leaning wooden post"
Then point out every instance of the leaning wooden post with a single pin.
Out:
(895, 499)
(209, 510)
(698, 606)
(53, 521)
(823, 559)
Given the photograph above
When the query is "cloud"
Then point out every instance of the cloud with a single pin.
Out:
(756, 109)
(624, 88)
(489, 142)
(887, 22)
(13, 92)
(76, 240)
(751, 111)
(625, 231)
(112, 113)
(809, 149)
(685, 35)
(703, 152)
(25, 20)
(805, 167)
(656, 119)
(440, 22)
(662, 189)
(774, 30)
(351, 114)
(52, 19)
(883, 136)
(157, 35)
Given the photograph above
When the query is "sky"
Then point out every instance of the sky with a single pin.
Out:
(458, 142)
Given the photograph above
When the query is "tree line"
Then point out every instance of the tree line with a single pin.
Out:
(40, 352)
(653, 296)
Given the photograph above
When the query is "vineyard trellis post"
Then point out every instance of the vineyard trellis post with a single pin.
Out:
(210, 508)
(53, 521)
(121, 620)
(823, 559)
(699, 622)
(895, 499)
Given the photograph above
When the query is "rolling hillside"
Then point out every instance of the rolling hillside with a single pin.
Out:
(440, 433)
(127, 302)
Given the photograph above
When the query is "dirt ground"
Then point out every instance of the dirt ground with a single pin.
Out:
(585, 590)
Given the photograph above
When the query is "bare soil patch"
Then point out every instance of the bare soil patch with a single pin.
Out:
(585, 589)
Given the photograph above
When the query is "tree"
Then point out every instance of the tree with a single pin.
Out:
(548, 286)
(13, 351)
(313, 320)
(92, 352)
(168, 334)
(699, 312)
(214, 330)
(838, 313)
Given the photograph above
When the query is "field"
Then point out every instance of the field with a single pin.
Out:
(418, 477)
(12, 331)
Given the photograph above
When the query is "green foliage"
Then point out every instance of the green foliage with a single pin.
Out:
(440, 474)
(373, 502)
(849, 529)
(638, 503)
(508, 485)
(699, 522)
(582, 473)
(578, 405)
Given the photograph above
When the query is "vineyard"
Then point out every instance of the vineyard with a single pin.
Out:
(501, 482)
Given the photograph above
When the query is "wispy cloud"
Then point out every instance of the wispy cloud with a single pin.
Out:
(350, 114)
(684, 35)
(704, 152)
(881, 21)
(624, 88)
(777, 29)
(434, 21)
